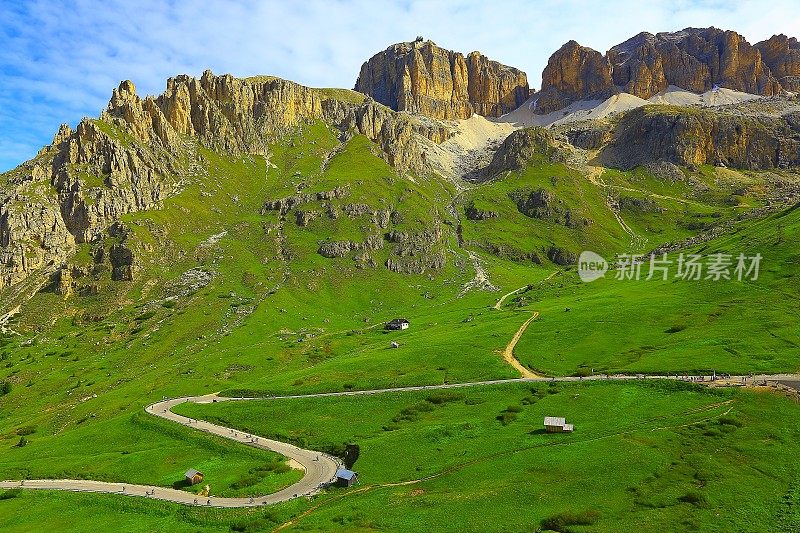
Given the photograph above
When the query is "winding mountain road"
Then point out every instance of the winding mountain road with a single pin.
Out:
(320, 469)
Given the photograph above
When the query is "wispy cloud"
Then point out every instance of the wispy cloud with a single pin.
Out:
(59, 61)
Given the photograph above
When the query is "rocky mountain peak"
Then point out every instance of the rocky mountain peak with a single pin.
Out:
(694, 59)
(574, 72)
(782, 55)
(142, 151)
(422, 77)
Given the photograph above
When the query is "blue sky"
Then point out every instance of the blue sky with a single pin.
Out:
(59, 61)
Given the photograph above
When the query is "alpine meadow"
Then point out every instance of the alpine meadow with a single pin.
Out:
(444, 300)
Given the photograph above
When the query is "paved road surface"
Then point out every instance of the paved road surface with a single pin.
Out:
(320, 469)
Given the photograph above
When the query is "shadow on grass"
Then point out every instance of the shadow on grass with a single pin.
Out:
(181, 484)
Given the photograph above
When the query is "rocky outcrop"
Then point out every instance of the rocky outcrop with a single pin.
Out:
(332, 249)
(507, 251)
(304, 218)
(284, 205)
(695, 59)
(409, 253)
(121, 263)
(416, 265)
(475, 213)
(421, 77)
(521, 147)
(121, 256)
(65, 282)
(416, 245)
(561, 256)
(544, 205)
(397, 134)
(587, 135)
(33, 234)
(782, 55)
(535, 204)
(693, 137)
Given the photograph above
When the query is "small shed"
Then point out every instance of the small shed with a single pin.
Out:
(193, 477)
(346, 478)
(397, 324)
(555, 424)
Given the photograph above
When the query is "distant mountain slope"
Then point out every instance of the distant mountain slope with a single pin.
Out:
(142, 151)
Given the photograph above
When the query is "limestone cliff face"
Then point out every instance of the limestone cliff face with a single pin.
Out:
(695, 137)
(33, 233)
(782, 55)
(574, 72)
(141, 151)
(695, 59)
(423, 78)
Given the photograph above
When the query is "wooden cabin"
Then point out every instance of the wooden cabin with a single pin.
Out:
(193, 477)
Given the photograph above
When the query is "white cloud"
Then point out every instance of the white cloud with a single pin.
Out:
(58, 64)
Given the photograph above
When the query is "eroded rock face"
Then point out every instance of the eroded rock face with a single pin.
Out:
(574, 72)
(695, 137)
(141, 151)
(695, 59)
(331, 249)
(588, 137)
(782, 55)
(423, 78)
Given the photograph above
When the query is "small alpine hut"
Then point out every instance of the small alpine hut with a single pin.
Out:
(397, 324)
(346, 478)
(554, 424)
(193, 477)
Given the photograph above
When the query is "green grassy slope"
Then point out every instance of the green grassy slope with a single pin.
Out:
(678, 326)
(227, 298)
(642, 455)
